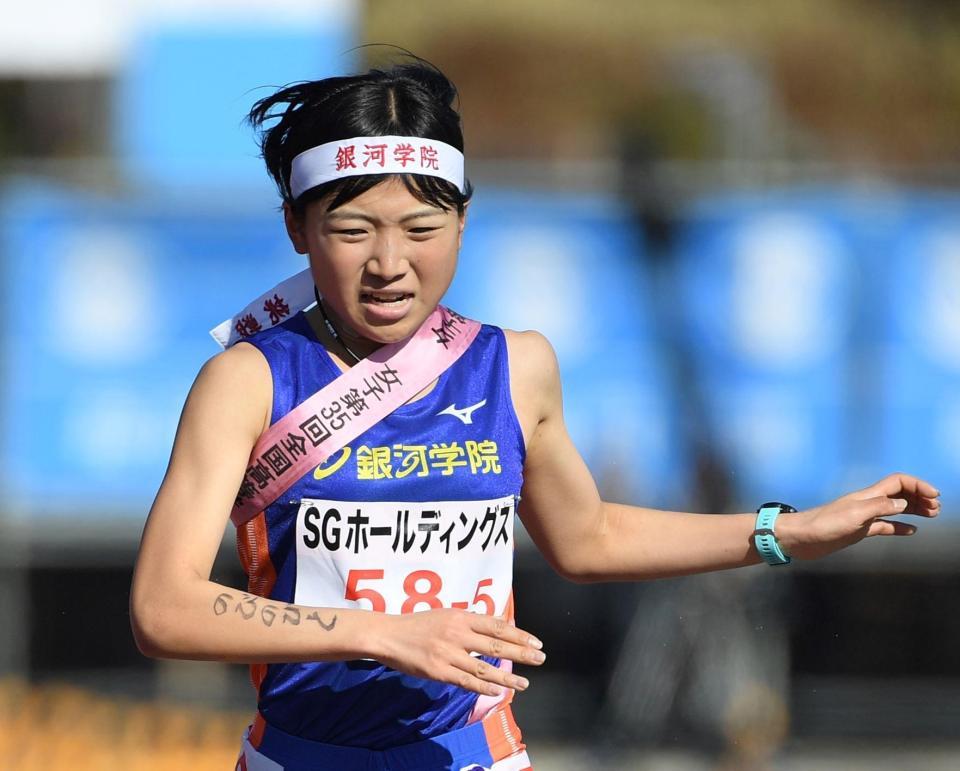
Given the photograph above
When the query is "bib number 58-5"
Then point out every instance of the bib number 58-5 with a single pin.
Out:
(421, 587)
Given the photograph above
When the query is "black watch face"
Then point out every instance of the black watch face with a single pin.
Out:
(785, 508)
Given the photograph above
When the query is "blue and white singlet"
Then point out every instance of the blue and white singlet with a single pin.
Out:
(415, 513)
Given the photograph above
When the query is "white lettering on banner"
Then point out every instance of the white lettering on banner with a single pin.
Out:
(405, 557)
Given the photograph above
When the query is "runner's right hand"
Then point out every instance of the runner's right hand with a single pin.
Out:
(437, 644)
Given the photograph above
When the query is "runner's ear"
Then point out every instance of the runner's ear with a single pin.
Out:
(294, 229)
(461, 225)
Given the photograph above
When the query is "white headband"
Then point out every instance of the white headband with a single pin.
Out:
(375, 155)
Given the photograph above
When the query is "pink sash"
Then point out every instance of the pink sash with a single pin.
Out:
(342, 410)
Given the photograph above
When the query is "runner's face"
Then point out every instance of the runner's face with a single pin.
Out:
(381, 261)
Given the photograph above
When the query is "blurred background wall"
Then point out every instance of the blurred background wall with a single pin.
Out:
(738, 223)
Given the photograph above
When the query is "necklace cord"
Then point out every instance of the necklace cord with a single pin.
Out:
(330, 328)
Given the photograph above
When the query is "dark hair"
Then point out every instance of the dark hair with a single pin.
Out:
(411, 99)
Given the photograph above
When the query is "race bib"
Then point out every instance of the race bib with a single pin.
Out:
(405, 557)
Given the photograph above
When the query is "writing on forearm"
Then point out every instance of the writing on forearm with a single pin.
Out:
(268, 614)
(220, 604)
(315, 616)
(247, 608)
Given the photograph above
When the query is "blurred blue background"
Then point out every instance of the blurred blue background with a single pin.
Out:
(820, 355)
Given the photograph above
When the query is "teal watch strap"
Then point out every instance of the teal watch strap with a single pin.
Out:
(764, 537)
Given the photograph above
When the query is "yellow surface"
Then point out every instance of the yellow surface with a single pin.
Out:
(61, 727)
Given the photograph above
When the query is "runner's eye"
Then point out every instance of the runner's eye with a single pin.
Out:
(423, 230)
(349, 232)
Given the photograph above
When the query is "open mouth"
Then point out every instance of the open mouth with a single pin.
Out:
(385, 298)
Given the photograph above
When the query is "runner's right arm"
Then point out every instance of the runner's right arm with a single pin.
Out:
(178, 612)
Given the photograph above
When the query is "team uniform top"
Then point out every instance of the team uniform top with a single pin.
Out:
(416, 513)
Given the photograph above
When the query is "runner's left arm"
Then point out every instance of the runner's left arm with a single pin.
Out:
(587, 539)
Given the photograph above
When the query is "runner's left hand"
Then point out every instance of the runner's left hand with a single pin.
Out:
(824, 529)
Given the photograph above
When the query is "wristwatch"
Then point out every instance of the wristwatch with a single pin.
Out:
(763, 536)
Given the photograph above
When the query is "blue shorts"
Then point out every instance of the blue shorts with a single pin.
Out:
(492, 744)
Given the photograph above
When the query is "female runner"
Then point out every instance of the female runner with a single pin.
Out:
(413, 517)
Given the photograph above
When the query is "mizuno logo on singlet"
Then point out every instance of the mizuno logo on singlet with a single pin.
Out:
(466, 414)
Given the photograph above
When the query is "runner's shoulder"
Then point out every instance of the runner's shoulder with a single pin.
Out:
(533, 361)
(240, 362)
(238, 377)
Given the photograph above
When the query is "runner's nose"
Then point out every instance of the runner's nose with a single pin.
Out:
(388, 261)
